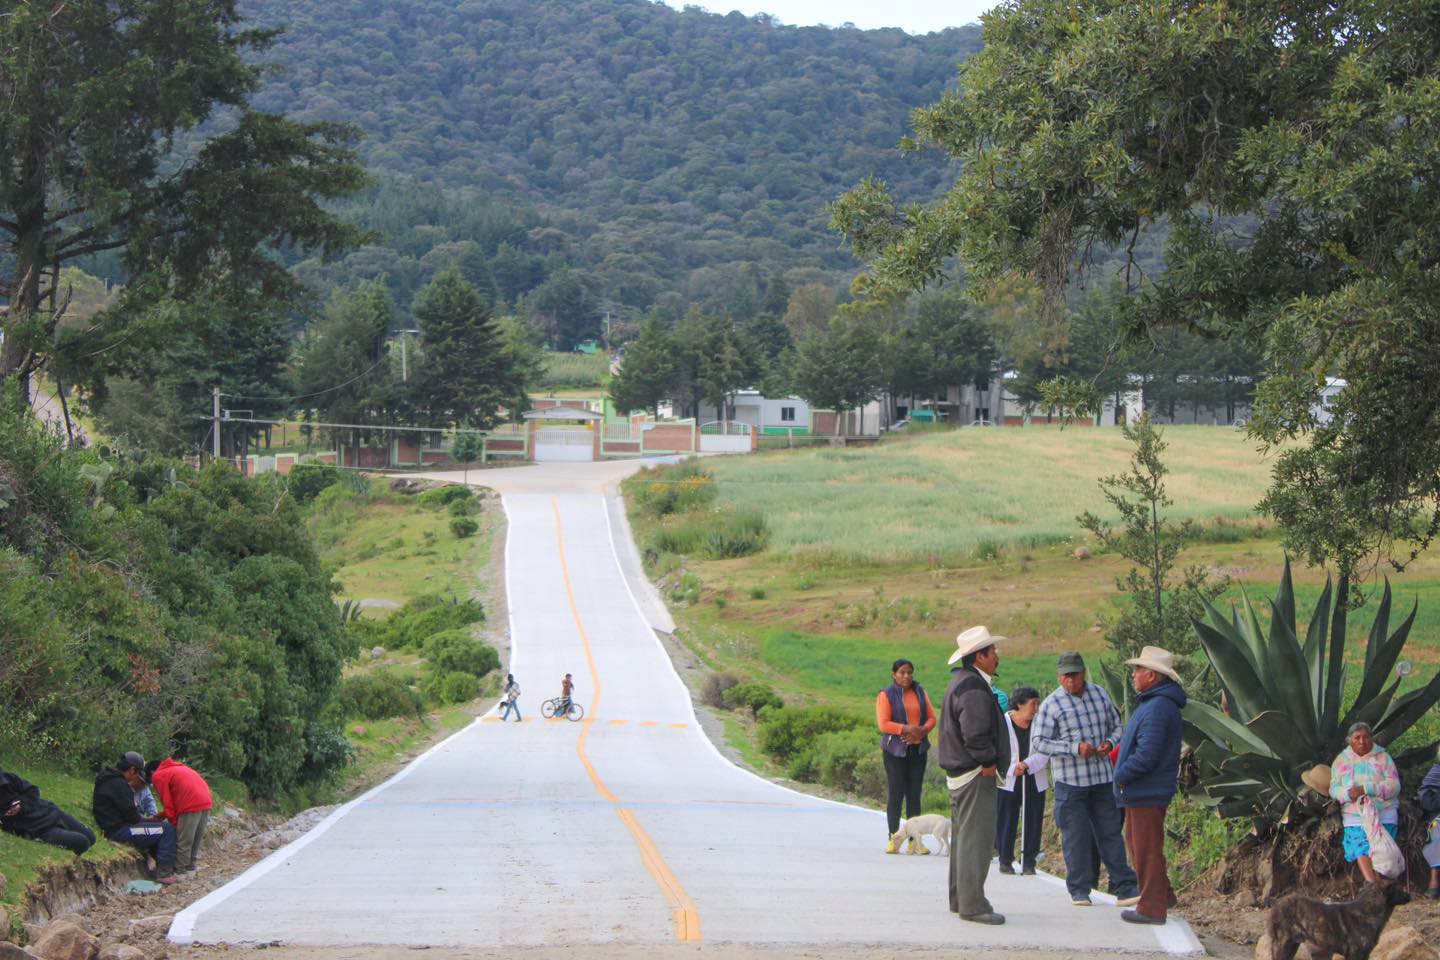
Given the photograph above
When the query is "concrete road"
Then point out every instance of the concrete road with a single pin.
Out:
(626, 828)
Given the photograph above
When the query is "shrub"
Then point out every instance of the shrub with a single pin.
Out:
(459, 687)
(755, 695)
(787, 731)
(681, 488)
(736, 534)
(463, 527)
(425, 616)
(463, 508)
(850, 760)
(456, 650)
(444, 496)
(376, 696)
(306, 480)
(716, 685)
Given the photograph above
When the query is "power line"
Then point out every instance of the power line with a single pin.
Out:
(307, 396)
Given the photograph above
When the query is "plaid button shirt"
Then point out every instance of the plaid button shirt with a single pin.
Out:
(1064, 721)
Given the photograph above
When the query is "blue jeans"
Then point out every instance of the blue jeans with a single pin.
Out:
(157, 837)
(1087, 818)
(510, 705)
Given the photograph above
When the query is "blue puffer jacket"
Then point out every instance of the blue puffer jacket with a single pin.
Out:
(1149, 764)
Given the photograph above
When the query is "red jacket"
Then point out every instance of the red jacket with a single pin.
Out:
(180, 789)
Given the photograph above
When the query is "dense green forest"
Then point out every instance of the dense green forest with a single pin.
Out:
(615, 154)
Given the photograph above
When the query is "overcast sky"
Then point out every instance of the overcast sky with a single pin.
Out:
(912, 16)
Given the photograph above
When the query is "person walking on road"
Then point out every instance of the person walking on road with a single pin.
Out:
(1076, 727)
(1023, 788)
(25, 813)
(185, 797)
(508, 702)
(972, 746)
(905, 716)
(1146, 775)
(113, 804)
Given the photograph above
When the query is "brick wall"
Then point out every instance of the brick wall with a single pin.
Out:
(668, 437)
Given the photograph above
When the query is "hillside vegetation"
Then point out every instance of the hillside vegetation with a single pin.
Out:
(647, 146)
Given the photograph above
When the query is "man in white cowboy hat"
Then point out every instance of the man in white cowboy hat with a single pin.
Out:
(1145, 777)
(971, 746)
(1076, 728)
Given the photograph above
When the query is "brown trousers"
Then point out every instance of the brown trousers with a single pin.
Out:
(1145, 842)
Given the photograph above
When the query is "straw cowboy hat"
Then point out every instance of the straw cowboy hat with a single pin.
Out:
(972, 641)
(1158, 659)
(1317, 778)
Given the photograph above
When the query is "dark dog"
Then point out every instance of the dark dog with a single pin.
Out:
(1347, 927)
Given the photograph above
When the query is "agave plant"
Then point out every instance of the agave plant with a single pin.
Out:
(1284, 709)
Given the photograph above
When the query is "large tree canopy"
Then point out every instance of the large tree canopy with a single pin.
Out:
(1292, 152)
(100, 151)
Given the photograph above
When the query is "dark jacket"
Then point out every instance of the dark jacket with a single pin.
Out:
(36, 814)
(1149, 763)
(114, 802)
(972, 728)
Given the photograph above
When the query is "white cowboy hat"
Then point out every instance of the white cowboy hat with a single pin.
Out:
(1317, 778)
(1158, 659)
(972, 641)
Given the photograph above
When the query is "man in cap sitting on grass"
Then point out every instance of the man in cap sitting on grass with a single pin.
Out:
(113, 804)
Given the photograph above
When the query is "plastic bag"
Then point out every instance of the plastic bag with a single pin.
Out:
(1385, 855)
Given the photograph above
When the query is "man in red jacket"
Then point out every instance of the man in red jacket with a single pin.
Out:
(186, 798)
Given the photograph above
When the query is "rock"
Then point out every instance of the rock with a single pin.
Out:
(376, 653)
(1081, 553)
(4, 924)
(121, 951)
(8, 951)
(66, 940)
(151, 926)
(33, 931)
(1403, 943)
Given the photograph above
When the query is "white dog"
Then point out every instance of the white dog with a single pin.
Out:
(932, 824)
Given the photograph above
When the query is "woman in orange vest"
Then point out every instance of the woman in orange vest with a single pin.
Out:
(906, 716)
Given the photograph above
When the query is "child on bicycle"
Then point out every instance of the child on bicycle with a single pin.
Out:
(567, 686)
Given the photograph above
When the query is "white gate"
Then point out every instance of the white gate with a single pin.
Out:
(564, 443)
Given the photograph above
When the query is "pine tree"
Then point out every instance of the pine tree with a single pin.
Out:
(468, 372)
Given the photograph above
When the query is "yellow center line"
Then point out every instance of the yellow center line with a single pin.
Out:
(687, 917)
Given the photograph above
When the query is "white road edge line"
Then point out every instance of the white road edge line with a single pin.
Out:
(1175, 937)
(182, 928)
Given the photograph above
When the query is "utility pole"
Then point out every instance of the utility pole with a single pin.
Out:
(404, 357)
(215, 422)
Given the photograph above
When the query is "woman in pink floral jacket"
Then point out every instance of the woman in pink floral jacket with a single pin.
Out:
(1364, 769)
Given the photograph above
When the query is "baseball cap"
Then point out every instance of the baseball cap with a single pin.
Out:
(132, 760)
(1070, 662)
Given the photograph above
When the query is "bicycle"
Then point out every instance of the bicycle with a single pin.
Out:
(549, 707)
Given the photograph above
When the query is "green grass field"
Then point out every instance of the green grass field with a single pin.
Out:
(889, 551)
(948, 495)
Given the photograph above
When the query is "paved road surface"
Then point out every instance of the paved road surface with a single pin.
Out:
(627, 828)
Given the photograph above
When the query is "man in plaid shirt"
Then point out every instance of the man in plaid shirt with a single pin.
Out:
(1077, 727)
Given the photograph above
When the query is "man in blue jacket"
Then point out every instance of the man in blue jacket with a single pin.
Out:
(1145, 776)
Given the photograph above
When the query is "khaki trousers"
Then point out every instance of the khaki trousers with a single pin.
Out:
(972, 840)
(189, 831)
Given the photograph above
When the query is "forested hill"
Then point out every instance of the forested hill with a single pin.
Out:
(683, 138)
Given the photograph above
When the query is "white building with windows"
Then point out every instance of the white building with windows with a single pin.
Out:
(775, 415)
